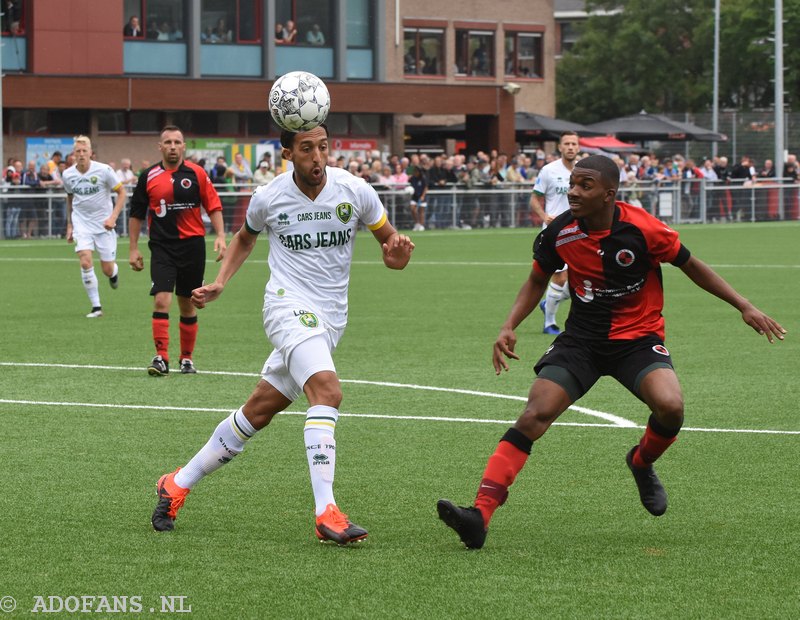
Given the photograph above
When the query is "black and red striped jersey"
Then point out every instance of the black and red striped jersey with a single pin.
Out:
(171, 200)
(614, 275)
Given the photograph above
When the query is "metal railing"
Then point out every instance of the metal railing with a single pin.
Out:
(25, 212)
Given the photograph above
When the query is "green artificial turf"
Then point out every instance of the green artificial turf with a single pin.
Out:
(86, 434)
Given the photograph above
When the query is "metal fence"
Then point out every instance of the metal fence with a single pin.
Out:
(43, 214)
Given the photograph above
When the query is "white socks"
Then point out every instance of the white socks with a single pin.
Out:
(90, 284)
(321, 453)
(555, 295)
(227, 440)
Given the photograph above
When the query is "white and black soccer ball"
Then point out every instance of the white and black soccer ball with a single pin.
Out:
(299, 101)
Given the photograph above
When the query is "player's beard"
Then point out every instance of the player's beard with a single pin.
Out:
(313, 179)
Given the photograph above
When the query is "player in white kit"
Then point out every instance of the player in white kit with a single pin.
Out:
(311, 215)
(91, 219)
(552, 184)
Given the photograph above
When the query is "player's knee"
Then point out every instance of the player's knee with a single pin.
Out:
(669, 410)
(533, 423)
(324, 389)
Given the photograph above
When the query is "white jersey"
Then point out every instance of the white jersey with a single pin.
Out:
(553, 184)
(311, 241)
(91, 191)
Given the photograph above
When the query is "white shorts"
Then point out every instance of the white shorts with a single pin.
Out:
(105, 243)
(304, 345)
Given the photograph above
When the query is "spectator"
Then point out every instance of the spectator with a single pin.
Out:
(279, 33)
(133, 28)
(315, 36)
(242, 177)
(53, 163)
(709, 174)
(218, 171)
(209, 36)
(768, 171)
(164, 32)
(12, 16)
(224, 35)
(290, 32)
(742, 173)
(264, 174)
(399, 178)
(152, 30)
(31, 209)
(144, 166)
(13, 208)
(419, 199)
(125, 173)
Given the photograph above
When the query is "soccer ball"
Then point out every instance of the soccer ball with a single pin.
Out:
(299, 101)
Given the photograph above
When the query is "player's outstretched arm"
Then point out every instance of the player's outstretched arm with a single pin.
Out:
(237, 252)
(529, 295)
(709, 280)
(397, 248)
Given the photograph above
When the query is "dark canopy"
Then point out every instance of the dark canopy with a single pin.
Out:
(644, 126)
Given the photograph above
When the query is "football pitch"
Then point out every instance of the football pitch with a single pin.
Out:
(86, 434)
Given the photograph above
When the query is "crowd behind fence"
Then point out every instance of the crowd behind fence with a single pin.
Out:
(42, 213)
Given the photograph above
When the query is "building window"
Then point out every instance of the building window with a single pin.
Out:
(423, 51)
(21, 122)
(163, 19)
(569, 35)
(230, 21)
(145, 122)
(112, 122)
(475, 53)
(120, 121)
(359, 23)
(68, 122)
(13, 17)
(524, 54)
(304, 22)
(342, 125)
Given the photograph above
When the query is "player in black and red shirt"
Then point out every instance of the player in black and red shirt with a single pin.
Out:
(613, 251)
(170, 195)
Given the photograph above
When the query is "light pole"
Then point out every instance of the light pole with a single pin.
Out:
(715, 104)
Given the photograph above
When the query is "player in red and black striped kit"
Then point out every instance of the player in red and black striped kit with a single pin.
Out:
(613, 251)
(170, 194)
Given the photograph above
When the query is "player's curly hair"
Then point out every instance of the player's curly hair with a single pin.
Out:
(609, 172)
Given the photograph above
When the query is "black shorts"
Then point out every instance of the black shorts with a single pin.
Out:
(576, 364)
(177, 265)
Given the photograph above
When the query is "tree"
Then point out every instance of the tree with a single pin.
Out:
(658, 55)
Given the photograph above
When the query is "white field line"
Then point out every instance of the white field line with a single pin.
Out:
(379, 263)
(617, 422)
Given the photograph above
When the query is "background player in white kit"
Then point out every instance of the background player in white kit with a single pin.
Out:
(553, 184)
(91, 219)
(311, 215)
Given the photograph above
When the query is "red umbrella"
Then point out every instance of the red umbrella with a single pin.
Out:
(608, 143)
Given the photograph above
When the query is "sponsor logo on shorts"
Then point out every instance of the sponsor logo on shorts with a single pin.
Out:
(344, 211)
(625, 258)
(550, 348)
(660, 349)
(309, 319)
